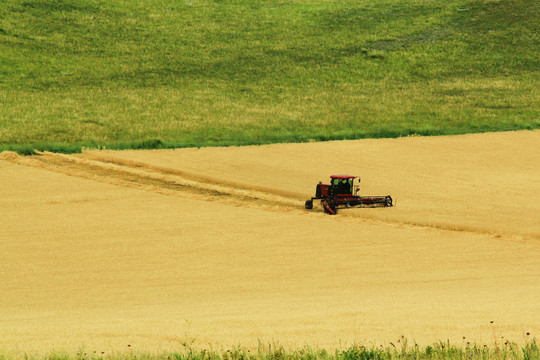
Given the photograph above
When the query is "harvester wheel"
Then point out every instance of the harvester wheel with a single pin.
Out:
(309, 204)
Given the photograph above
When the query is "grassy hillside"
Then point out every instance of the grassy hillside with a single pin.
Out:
(154, 73)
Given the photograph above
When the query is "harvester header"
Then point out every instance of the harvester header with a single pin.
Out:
(343, 192)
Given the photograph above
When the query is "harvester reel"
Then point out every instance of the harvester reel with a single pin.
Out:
(343, 193)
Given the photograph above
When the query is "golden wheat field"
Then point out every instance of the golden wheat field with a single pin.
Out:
(149, 250)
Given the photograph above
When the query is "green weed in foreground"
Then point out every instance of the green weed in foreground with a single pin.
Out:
(441, 350)
(132, 74)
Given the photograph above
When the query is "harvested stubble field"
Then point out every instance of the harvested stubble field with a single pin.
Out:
(147, 250)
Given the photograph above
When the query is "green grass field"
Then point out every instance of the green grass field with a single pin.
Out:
(154, 73)
(401, 350)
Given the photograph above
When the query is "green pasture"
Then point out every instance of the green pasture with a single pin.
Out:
(156, 74)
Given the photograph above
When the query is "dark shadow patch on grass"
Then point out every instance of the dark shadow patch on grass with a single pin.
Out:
(58, 6)
(365, 15)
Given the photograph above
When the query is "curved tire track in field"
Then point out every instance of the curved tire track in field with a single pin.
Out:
(173, 182)
(156, 179)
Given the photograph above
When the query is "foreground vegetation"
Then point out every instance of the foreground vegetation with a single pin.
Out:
(132, 74)
(401, 350)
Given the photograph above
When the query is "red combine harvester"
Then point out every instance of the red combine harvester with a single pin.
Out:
(342, 192)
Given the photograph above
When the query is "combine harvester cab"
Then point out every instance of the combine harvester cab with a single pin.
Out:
(343, 192)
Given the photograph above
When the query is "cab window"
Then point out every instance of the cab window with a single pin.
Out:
(342, 186)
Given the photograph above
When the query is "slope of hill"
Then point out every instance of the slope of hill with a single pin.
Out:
(214, 247)
(195, 73)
